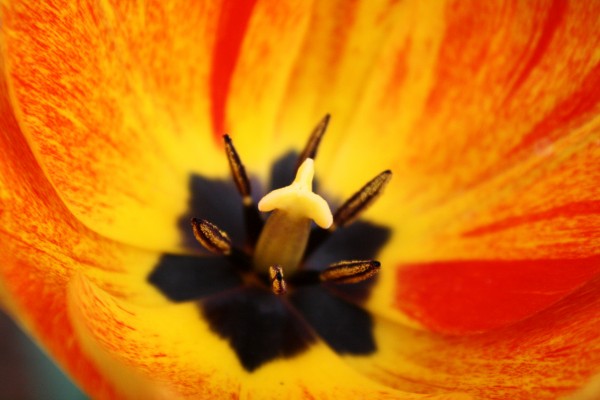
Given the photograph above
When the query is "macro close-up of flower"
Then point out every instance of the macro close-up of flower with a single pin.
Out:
(297, 199)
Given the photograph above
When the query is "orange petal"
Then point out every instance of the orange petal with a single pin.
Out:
(43, 245)
(481, 90)
(113, 98)
(548, 355)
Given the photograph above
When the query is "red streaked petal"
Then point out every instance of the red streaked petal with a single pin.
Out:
(113, 98)
(43, 245)
(499, 253)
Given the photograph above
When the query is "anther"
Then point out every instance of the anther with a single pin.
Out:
(350, 271)
(351, 209)
(238, 171)
(253, 220)
(211, 237)
(278, 285)
(361, 200)
(310, 150)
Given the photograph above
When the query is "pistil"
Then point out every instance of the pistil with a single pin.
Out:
(285, 234)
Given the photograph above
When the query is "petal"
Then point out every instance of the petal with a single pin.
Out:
(471, 296)
(113, 99)
(261, 75)
(484, 89)
(514, 245)
(43, 245)
(331, 48)
(171, 346)
(488, 117)
(548, 355)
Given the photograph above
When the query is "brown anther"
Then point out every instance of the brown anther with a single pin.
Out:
(237, 170)
(254, 223)
(310, 150)
(361, 200)
(350, 271)
(211, 237)
(278, 285)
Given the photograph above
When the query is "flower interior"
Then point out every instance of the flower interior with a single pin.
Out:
(272, 287)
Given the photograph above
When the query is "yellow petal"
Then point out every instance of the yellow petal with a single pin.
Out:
(270, 50)
(172, 346)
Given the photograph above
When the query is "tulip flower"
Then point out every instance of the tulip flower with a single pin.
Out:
(473, 273)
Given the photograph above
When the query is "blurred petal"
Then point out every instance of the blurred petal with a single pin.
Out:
(43, 245)
(552, 353)
(113, 98)
(171, 346)
(590, 391)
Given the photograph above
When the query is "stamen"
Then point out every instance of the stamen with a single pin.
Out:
(278, 285)
(361, 200)
(350, 271)
(351, 209)
(310, 150)
(238, 171)
(284, 237)
(254, 223)
(211, 237)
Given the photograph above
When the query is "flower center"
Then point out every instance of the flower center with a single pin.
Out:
(283, 239)
(265, 298)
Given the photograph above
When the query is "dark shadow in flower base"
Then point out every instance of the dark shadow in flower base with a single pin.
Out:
(259, 326)
(345, 327)
(359, 241)
(283, 172)
(185, 278)
(217, 201)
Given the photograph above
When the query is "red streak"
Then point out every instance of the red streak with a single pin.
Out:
(231, 29)
(553, 20)
(566, 210)
(478, 295)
